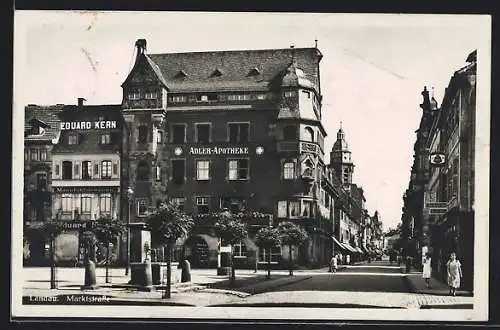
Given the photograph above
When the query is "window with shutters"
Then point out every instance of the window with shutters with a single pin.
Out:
(86, 170)
(106, 169)
(238, 169)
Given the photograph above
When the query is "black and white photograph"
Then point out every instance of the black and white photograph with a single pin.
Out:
(250, 166)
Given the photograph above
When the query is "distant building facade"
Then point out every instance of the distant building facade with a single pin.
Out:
(438, 214)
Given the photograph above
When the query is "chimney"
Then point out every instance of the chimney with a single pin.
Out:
(141, 46)
(80, 101)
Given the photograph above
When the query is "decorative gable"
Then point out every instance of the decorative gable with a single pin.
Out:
(216, 73)
(253, 72)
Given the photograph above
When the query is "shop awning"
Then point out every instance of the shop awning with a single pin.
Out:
(359, 250)
(340, 245)
(349, 247)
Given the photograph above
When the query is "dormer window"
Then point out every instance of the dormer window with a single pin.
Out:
(134, 95)
(207, 97)
(216, 73)
(253, 72)
(181, 74)
(73, 139)
(150, 95)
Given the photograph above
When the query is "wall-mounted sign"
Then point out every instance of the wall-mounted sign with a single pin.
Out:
(437, 159)
(259, 150)
(85, 125)
(218, 150)
(178, 151)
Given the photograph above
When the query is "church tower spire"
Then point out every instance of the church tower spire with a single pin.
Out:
(340, 158)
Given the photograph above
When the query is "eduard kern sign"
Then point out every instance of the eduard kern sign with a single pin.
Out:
(100, 124)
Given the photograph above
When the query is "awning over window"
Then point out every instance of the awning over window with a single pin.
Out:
(350, 248)
(359, 250)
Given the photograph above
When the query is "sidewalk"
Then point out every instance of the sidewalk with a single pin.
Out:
(417, 284)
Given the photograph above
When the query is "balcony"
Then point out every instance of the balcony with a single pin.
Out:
(297, 146)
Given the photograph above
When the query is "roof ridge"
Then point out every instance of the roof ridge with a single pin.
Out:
(233, 51)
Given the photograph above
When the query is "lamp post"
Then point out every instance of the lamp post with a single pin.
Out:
(129, 206)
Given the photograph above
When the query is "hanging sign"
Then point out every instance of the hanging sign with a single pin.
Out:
(437, 159)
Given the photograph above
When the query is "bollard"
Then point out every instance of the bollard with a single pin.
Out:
(186, 271)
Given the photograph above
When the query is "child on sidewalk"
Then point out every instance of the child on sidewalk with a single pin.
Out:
(426, 274)
(454, 270)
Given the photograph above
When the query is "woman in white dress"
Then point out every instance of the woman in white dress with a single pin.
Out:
(426, 274)
(454, 269)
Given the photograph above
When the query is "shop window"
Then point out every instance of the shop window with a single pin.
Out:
(202, 170)
(289, 170)
(238, 169)
(178, 171)
(142, 171)
(275, 254)
(203, 133)
(67, 170)
(202, 205)
(179, 133)
(106, 169)
(238, 132)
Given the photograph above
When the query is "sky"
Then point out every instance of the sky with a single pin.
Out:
(373, 70)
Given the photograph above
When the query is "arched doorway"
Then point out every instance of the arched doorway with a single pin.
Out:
(196, 250)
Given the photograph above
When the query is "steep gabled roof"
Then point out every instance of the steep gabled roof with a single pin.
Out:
(235, 66)
(34, 115)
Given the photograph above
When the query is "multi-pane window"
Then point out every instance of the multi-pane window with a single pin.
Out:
(203, 133)
(202, 170)
(105, 204)
(142, 207)
(73, 139)
(178, 98)
(159, 137)
(282, 209)
(150, 95)
(67, 170)
(202, 205)
(307, 210)
(134, 95)
(86, 170)
(86, 205)
(289, 93)
(179, 133)
(41, 181)
(43, 154)
(239, 250)
(275, 254)
(238, 132)
(66, 204)
(34, 154)
(106, 138)
(238, 97)
(289, 170)
(238, 169)
(293, 209)
(178, 171)
(106, 169)
(143, 134)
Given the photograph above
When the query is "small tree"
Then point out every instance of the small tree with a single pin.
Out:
(168, 224)
(232, 231)
(107, 230)
(51, 230)
(267, 238)
(291, 235)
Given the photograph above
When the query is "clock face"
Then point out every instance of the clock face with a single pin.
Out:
(178, 151)
(259, 150)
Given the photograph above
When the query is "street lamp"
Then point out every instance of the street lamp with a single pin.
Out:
(130, 192)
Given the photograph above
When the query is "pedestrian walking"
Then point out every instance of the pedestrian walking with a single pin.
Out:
(426, 274)
(334, 264)
(454, 270)
(348, 259)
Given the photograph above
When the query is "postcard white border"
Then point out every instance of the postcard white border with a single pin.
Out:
(482, 167)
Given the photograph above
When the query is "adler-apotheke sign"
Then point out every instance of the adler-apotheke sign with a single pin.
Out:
(86, 125)
(218, 150)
